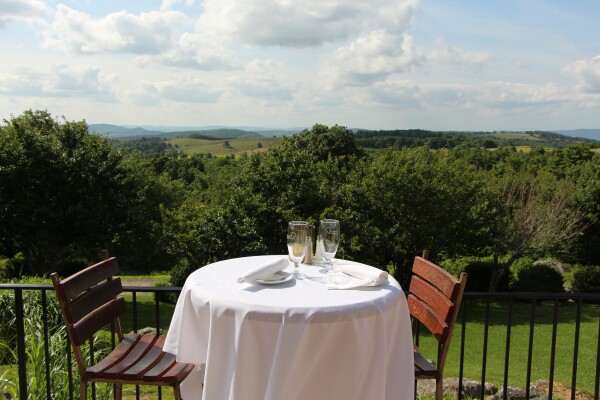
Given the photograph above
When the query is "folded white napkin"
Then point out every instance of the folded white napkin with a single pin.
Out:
(263, 270)
(349, 276)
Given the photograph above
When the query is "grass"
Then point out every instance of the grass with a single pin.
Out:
(146, 313)
(217, 147)
(519, 344)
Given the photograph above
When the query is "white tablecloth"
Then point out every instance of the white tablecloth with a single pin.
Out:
(292, 341)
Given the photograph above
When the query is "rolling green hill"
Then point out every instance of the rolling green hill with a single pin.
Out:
(218, 147)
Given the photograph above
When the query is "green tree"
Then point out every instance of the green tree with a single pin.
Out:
(67, 193)
(405, 201)
(530, 216)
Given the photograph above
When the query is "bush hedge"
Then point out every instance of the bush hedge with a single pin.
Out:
(539, 278)
(586, 280)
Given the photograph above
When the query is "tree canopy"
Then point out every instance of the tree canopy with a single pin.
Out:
(66, 194)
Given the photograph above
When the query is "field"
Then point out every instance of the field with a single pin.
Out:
(219, 147)
(515, 135)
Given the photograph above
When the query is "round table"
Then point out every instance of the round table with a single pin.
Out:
(294, 340)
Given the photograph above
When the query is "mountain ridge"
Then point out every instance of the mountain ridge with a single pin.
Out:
(232, 132)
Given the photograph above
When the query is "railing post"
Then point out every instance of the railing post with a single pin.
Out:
(22, 361)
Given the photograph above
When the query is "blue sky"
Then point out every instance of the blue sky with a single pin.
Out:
(381, 64)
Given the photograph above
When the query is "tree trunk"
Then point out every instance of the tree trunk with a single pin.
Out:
(500, 269)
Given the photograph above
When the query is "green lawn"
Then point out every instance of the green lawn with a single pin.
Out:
(519, 344)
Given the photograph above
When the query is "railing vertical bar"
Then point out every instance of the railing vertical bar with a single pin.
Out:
(19, 313)
(46, 345)
(597, 385)
(462, 349)
(134, 301)
(135, 329)
(113, 344)
(485, 345)
(69, 369)
(416, 329)
(157, 318)
(507, 349)
(576, 349)
(530, 350)
(553, 349)
(157, 314)
(92, 363)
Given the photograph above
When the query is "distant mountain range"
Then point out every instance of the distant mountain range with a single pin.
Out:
(219, 132)
(593, 134)
(227, 132)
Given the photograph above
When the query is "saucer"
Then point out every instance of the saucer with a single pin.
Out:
(275, 279)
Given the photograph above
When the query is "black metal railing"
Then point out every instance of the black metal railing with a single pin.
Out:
(484, 316)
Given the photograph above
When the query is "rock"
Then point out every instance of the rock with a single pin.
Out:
(539, 388)
(147, 330)
(512, 393)
(426, 387)
(470, 388)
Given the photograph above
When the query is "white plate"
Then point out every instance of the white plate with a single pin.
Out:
(275, 279)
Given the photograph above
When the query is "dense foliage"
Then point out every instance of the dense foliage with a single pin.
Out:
(67, 194)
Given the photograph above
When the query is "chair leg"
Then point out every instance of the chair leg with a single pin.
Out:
(439, 388)
(118, 392)
(176, 392)
(82, 390)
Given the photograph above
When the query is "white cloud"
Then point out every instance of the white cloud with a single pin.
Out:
(22, 10)
(446, 54)
(398, 93)
(503, 97)
(196, 51)
(192, 91)
(263, 79)
(371, 58)
(148, 33)
(59, 80)
(300, 24)
(587, 74)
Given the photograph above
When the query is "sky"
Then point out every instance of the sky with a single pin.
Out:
(376, 64)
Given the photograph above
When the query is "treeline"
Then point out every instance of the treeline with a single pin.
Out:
(381, 139)
(66, 194)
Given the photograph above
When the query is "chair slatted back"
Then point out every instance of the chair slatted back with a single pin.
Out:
(434, 297)
(88, 300)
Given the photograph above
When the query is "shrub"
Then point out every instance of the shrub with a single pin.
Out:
(14, 266)
(71, 265)
(539, 278)
(519, 265)
(586, 280)
(180, 272)
(480, 271)
(167, 297)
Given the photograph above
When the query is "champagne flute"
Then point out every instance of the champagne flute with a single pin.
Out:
(297, 239)
(329, 233)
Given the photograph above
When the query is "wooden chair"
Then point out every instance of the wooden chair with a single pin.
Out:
(433, 300)
(88, 300)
